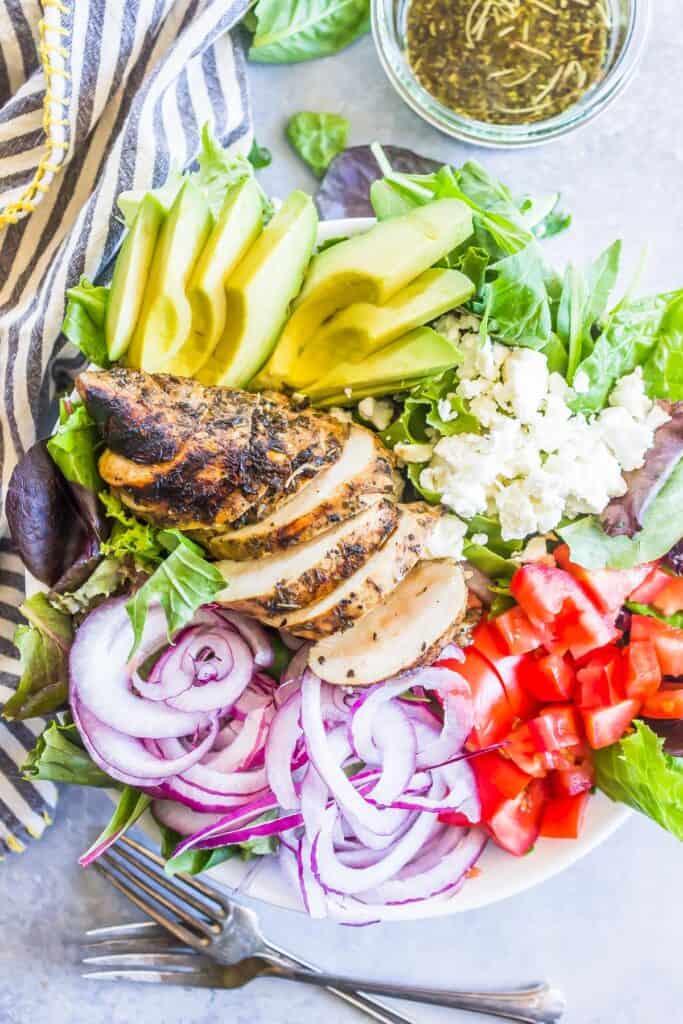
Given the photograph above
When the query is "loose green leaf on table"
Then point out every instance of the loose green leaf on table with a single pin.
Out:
(59, 756)
(76, 446)
(317, 138)
(86, 307)
(131, 806)
(182, 583)
(637, 772)
(288, 31)
(259, 156)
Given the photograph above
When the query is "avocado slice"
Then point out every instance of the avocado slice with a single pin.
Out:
(166, 316)
(259, 291)
(130, 276)
(420, 353)
(361, 329)
(239, 224)
(370, 267)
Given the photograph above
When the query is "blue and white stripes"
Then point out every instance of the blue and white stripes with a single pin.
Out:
(130, 84)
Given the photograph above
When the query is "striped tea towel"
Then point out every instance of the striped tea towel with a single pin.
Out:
(96, 96)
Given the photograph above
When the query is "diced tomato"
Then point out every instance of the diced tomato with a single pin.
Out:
(490, 644)
(563, 816)
(670, 598)
(521, 747)
(556, 727)
(518, 632)
(498, 779)
(553, 597)
(516, 824)
(643, 675)
(608, 588)
(493, 716)
(666, 703)
(651, 587)
(549, 677)
(577, 777)
(605, 726)
(600, 680)
(668, 642)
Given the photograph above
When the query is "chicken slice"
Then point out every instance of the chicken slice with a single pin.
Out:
(297, 577)
(409, 629)
(371, 584)
(190, 456)
(365, 469)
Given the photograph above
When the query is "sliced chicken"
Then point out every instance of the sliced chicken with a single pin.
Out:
(190, 456)
(365, 469)
(371, 584)
(298, 577)
(409, 629)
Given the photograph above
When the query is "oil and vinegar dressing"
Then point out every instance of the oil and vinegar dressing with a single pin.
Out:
(508, 61)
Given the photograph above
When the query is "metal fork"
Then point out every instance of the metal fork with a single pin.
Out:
(232, 951)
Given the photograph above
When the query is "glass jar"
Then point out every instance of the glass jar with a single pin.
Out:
(630, 21)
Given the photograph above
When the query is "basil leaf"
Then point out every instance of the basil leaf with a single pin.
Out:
(182, 583)
(259, 156)
(83, 325)
(288, 31)
(131, 806)
(76, 446)
(317, 138)
(59, 756)
(637, 772)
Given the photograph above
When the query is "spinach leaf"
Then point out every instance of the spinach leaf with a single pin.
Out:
(59, 756)
(43, 650)
(76, 446)
(317, 138)
(131, 806)
(288, 31)
(83, 325)
(583, 301)
(662, 528)
(663, 370)
(637, 772)
(259, 156)
(181, 583)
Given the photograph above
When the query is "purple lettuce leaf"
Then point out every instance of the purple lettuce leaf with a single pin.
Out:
(345, 189)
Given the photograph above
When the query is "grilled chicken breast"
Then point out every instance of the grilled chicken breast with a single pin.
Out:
(364, 470)
(184, 455)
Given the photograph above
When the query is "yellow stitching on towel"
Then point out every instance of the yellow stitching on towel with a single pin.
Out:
(51, 162)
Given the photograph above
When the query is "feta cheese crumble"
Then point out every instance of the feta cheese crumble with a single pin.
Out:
(376, 411)
(535, 461)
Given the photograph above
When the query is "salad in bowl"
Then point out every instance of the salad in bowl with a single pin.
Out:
(356, 552)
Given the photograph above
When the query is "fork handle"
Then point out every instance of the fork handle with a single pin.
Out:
(538, 1004)
(378, 1011)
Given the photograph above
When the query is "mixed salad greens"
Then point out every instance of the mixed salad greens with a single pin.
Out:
(581, 630)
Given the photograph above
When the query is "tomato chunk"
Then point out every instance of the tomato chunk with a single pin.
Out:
(608, 588)
(516, 824)
(600, 680)
(549, 677)
(666, 703)
(667, 640)
(556, 727)
(490, 644)
(521, 747)
(652, 585)
(670, 598)
(517, 631)
(643, 675)
(493, 716)
(578, 776)
(552, 597)
(563, 816)
(498, 779)
(605, 726)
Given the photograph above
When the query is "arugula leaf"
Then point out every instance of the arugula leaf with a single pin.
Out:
(130, 536)
(83, 324)
(181, 583)
(131, 806)
(637, 772)
(59, 756)
(317, 138)
(43, 650)
(663, 371)
(675, 620)
(288, 31)
(259, 156)
(662, 528)
(76, 445)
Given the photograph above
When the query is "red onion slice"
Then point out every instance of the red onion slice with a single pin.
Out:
(180, 818)
(280, 746)
(223, 691)
(240, 753)
(253, 633)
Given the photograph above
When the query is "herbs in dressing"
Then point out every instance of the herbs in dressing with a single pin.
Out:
(508, 61)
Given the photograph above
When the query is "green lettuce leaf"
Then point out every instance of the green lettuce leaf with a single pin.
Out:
(288, 31)
(83, 324)
(675, 620)
(317, 138)
(662, 528)
(130, 537)
(637, 772)
(663, 371)
(105, 580)
(182, 583)
(76, 446)
(131, 806)
(583, 301)
(43, 650)
(59, 756)
(516, 300)
(193, 862)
